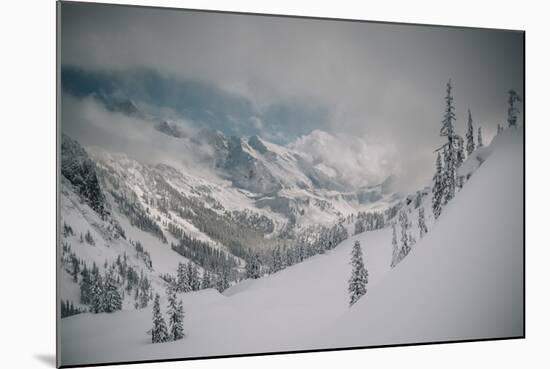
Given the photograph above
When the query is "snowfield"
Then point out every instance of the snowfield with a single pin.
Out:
(463, 280)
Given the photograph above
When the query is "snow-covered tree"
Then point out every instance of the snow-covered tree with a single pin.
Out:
(479, 138)
(460, 157)
(175, 314)
(223, 280)
(206, 280)
(357, 284)
(96, 302)
(253, 267)
(112, 300)
(437, 188)
(450, 148)
(513, 111)
(405, 239)
(159, 332)
(182, 280)
(193, 276)
(395, 247)
(470, 145)
(85, 286)
(422, 222)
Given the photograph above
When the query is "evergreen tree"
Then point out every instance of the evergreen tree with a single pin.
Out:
(395, 248)
(450, 148)
(437, 188)
(357, 284)
(223, 280)
(112, 300)
(85, 286)
(175, 314)
(470, 145)
(405, 239)
(96, 303)
(422, 222)
(182, 283)
(513, 97)
(253, 267)
(479, 138)
(159, 332)
(460, 157)
(206, 280)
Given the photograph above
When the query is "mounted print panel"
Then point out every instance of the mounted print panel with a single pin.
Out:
(238, 184)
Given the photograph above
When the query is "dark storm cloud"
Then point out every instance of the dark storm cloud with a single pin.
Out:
(380, 82)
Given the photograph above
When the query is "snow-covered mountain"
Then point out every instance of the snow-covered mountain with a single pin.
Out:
(461, 280)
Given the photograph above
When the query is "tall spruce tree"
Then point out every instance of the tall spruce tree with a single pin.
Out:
(470, 145)
(479, 138)
(437, 188)
(395, 247)
(96, 303)
(182, 282)
(513, 111)
(159, 333)
(112, 300)
(253, 267)
(422, 222)
(357, 284)
(449, 148)
(405, 239)
(175, 314)
(460, 157)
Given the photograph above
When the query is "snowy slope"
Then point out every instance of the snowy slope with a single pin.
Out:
(461, 281)
(465, 280)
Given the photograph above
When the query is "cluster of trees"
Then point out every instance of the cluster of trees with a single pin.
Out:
(451, 155)
(80, 171)
(369, 221)
(357, 284)
(174, 331)
(253, 220)
(189, 279)
(68, 309)
(221, 227)
(200, 252)
(143, 254)
(138, 216)
(312, 241)
(401, 248)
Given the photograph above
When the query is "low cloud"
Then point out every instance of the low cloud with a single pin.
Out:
(92, 125)
(358, 161)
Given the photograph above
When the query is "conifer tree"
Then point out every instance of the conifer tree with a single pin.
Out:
(253, 267)
(159, 332)
(460, 157)
(206, 280)
(405, 239)
(513, 111)
(112, 300)
(395, 247)
(470, 145)
(182, 283)
(85, 286)
(479, 138)
(96, 303)
(449, 148)
(357, 284)
(437, 189)
(422, 222)
(175, 314)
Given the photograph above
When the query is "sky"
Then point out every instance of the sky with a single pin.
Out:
(376, 88)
